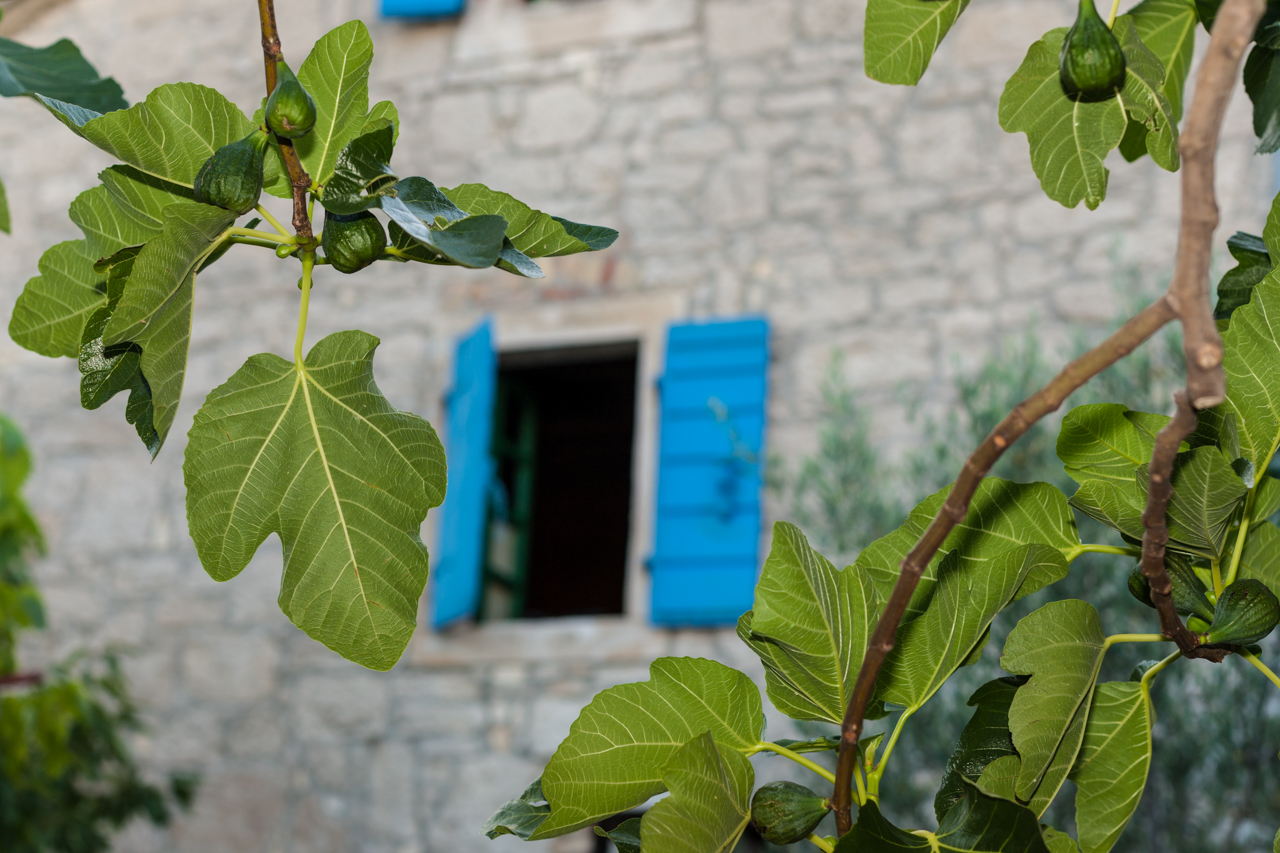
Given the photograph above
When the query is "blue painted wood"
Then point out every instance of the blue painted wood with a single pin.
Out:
(422, 8)
(706, 543)
(457, 572)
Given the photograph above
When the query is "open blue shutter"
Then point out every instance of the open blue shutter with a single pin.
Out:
(469, 430)
(709, 465)
(422, 8)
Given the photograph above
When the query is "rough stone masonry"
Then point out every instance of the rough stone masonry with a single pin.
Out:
(750, 166)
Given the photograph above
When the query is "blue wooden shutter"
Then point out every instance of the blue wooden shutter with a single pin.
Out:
(469, 431)
(709, 465)
(422, 9)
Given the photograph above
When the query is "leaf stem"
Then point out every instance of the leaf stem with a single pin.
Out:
(860, 795)
(1115, 8)
(1090, 548)
(275, 223)
(308, 261)
(821, 843)
(253, 241)
(1133, 638)
(1215, 567)
(1155, 670)
(266, 236)
(1242, 534)
(1261, 667)
(797, 758)
(873, 778)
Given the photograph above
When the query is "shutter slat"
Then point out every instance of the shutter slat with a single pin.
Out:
(457, 569)
(706, 545)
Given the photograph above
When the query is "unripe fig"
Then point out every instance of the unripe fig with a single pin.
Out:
(1091, 65)
(1247, 611)
(784, 812)
(232, 177)
(1187, 592)
(291, 112)
(353, 242)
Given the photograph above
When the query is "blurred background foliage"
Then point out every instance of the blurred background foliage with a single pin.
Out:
(1214, 723)
(67, 776)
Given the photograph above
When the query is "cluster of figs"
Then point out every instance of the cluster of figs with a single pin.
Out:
(232, 177)
(1244, 613)
(1091, 66)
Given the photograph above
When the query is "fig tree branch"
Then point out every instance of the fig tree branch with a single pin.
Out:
(1232, 32)
(21, 679)
(299, 180)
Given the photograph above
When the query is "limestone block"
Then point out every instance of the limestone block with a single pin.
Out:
(237, 811)
(461, 122)
(555, 116)
(740, 28)
(391, 797)
(230, 668)
(738, 191)
(334, 707)
(552, 717)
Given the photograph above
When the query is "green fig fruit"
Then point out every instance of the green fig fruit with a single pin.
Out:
(1187, 593)
(784, 812)
(353, 242)
(232, 177)
(291, 111)
(1247, 611)
(1091, 66)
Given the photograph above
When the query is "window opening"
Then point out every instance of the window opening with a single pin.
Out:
(560, 502)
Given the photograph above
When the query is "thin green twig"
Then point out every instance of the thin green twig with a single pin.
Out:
(271, 220)
(797, 758)
(1242, 534)
(821, 843)
(1260, 666)
(1091, 548)
(308, 261)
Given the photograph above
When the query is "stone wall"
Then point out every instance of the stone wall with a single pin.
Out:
(750, 167)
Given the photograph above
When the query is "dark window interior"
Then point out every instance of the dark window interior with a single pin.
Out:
(560, 516)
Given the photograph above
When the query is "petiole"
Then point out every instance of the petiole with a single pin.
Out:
(271, 220)
(821, 843)
(1260, 666)
(261, 235)
(765, 745)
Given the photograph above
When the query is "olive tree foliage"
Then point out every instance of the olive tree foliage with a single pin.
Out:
(305, 445)
(1175, 509)
(67, 776)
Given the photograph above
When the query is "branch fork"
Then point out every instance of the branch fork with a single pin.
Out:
(1187, 301)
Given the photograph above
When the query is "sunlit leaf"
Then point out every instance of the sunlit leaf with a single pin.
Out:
(1111, 770)
(616, 750)
(316, 454)
(1206, 495)
(1097, 442)
(1060, 647)
(51, 312)
(900, 36)
(710, 802)
(816, 621)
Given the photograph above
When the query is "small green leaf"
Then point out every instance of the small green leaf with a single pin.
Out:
(1058, 842)
(1098, 442)
(362, 175)
(475, 241)
(315, 453)
(425, 201)
(1116, 505)
(51, 312)
(1144, 98)
(626, 837)
(336, 75)
(1060, 647)
(169, 135)
(818, 621)
(1000, 777)
(155, 309)
(901, 35)
(1266, 500)
(1253, 264)
(1206, 495)
(977, 824)
(985, 738)
(536, 234)
(1262, 85)
(1001, 515)
(616, 750)
(1168, 29)
(968, 596)
(1261, 557)
(1111, 770)
(710, 802)
(519, 817)
(106, 371)
(58, 71)
(1252, 363)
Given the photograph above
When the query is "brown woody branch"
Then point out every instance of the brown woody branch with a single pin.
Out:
(298, 177)
(1186, 300)
(21, 679)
